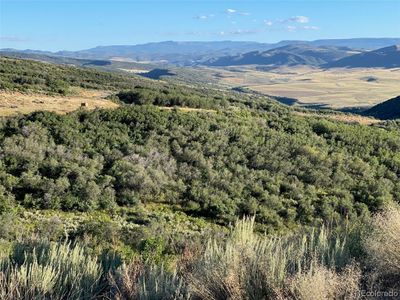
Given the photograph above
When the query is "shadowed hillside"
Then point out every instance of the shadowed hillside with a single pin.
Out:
(389, 109)
(388, 57)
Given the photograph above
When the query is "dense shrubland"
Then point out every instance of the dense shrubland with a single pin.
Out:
(34, 76)
(119, 203)
(286, 170)
(170, 96)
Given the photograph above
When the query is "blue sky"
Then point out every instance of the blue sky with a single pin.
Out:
(72, 25)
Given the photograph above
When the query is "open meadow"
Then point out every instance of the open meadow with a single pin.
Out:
(12, 103)
(334, 88)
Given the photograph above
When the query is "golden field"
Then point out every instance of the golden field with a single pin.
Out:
(333, 88)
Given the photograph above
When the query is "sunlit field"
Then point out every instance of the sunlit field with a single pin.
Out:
(334, 87)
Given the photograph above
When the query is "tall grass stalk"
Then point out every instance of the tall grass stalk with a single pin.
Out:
(251, 266)
(382, 246)
(137, 281)
(55, 271)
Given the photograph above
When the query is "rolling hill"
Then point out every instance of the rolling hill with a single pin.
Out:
(190, 52)
(168, 51)
(298, 54)
(89, 196)
(388, 57)
(389, 109)
(103, 64)
(358, 43)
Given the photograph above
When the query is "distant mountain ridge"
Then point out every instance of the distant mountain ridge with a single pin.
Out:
(173, 52)
(104, 64)
(389, 109)
(192, 52)
(322, 56)
(297, 54)
(388, 57)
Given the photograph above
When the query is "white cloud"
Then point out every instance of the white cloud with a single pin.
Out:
(231, 11)
(243, 31)
(299, 19)
(204, 17)
(310, 27)
(297, 28)
(296, 19)
(268, 22)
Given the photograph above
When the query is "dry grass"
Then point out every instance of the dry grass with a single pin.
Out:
(55, 271)
(341, 117)
(245, 265)
(334, 87)
(250, 266)
(324, 284)
(382, 245)
(14, 102)
(137, 281)
(318, 285)
(188, 109)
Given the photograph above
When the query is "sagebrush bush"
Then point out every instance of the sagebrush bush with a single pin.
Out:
(322, 283)
(144, 282)
(49, 271)
(382, 246)
(250, 266)
(317, 264)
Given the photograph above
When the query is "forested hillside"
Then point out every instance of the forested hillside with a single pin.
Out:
(242, 155)
(148, 183)
(34, 76)
(286, 170)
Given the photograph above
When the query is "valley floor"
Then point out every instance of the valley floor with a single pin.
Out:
(334, 88)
